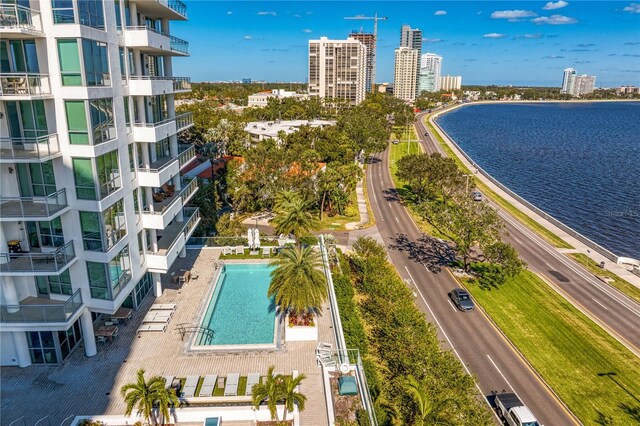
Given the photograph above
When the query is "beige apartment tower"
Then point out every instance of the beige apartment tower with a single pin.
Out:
(405, 75)
(337, 69)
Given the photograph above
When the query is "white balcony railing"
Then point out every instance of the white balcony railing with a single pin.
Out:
(42, 208)
(13, 16)
(42, 312)
(26, 150)
(39, 263)
(24, 84)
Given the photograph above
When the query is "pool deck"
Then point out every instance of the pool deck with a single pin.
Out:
(90, 386)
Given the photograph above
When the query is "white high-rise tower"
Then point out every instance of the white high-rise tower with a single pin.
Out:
(430, 69)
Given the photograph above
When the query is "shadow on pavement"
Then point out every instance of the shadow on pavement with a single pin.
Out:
(431, 252)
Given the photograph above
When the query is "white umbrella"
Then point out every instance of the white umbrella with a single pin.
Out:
(256, 238)
(250, 237)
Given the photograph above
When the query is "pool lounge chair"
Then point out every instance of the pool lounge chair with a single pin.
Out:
(152, 327)
(231, 387)
(163, 307)
(189, 389)
(226, 250)
(252, 380)
(160, 319)
(239, 250)
(168, 381)
(266, 252)
(208, 385)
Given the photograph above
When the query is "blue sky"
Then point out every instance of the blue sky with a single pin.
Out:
(504, 42)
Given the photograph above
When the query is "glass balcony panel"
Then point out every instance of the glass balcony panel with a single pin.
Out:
(37, 309)
(35, 262)
(33, 207)
(29, 149)
(24, 84)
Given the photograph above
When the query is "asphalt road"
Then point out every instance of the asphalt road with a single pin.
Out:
(481, 347)
(611, 309)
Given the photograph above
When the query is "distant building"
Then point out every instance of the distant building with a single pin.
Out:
(429, 74)
(471, 95)
(568, 80)
(412, 38)
(261, 130)
(261, 99)
(369, 41)
(405, 74)
(337, 69)
(627, 89)
(583, 84)
(450, 82)
(246, 81)
(385, 88)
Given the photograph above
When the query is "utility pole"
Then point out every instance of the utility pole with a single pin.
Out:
(375, 18)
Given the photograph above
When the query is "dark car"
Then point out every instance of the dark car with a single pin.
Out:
(462, 299)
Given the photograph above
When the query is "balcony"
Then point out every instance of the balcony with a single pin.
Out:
(24, 86)
(172, 241)
(186, 155)
(33, 208)
(181, 84)
(184, 121)
(169, 9)
(165, 211)
(19, 22)
(40, 263)
(179, 46)
(152, 41)
(29, 150)
(146, 85)
(154, 132)
(158, 172)
(41, 310)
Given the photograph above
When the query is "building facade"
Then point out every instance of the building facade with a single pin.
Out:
(369, 41)
(568, 80)
(337, 69)
(405, 74)
(430, 69)
(412, 38)
(577, 85)
(450, 82)
(92, 204)
(261, 99)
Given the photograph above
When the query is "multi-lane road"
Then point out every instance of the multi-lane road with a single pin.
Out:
(482, 348)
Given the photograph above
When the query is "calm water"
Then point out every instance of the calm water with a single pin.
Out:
(242, 313)
(578, 162)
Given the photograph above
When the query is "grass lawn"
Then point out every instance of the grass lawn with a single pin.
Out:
(245, 255)
(532, 224)
(337, 222)
(567, 349)
(624, 286)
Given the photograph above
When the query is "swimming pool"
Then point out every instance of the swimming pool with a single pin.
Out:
(239, 311)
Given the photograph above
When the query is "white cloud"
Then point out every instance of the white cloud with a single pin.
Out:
(557, 5)
(229, 13)
(248, 37)
(494, 35)
(513, 15)
(440, 12)
(307, 30)
(554, 20)
(537, 35)
(633, 8)
(431, 40)
(267, 13)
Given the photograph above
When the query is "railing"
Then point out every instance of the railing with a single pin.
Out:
(124, 278)
(333, 301)
(603, 251)
(16, 16)
(150, 77)
(155, 123)
(179, 45)
(181, 84)
(29, 148)
(188, 189)
(176, 5)
(50, 312)
(31, 207)
(184, 121)
(144, 28)
(169, 161)
(192, 222)
(38, 262)
(20, 84)
(265, 241)
(186, 155)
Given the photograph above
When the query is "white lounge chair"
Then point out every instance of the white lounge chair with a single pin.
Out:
(163, 307)
(189, 389)
(266, 252)
(208, 385)
(168, 381)
(252, 380)
(161, 319)
(231, 387)
(152, 327)
(239, 250)
(226, 250)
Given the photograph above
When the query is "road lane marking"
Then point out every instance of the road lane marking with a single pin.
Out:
(593, 298)
(504, 378)
(397, 219)
(452, 307)
(517, 240)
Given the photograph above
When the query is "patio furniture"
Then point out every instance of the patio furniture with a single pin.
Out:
(208, 385)
(163, 307)
(152, 318)
(107, 331)
(159, 197)
(168, 381)
(266, 252)
(252, 380)
(239, 250)
(151, 328)
(101, 339)
(194, 275)
(231, 387)
(189, 389)
(226, 250)
(122, 314)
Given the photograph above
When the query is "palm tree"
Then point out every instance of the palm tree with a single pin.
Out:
(293, 217)
(290, 395)
(297, 283)
(429, 410)
(269, 391)
(144, 394)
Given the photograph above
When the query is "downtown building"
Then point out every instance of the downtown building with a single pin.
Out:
(337, 69)
(92, 202)
(450, 82)
(369, 41)
(412, 38)
(405, 75)
(430, 70)
(577, 85)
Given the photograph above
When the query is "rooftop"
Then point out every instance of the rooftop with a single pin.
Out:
(272, 128)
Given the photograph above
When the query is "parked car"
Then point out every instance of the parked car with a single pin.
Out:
(477, 195)
(395, 141)
(462, 299)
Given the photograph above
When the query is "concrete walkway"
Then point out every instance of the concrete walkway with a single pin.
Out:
(579, 247)
(362, 208)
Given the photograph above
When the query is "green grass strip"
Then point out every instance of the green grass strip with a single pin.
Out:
(624, 286)
(567, 349)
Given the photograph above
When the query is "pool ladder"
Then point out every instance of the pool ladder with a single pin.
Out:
(184, 328)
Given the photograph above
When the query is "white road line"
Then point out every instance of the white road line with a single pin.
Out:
(502, 375)
(397, 219)
(550, 267)
(599, 303)
(452, 307)
(517, 240)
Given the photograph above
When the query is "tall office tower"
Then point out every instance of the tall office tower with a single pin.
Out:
(405, 76)
(568, 80)
(412, 38)
(337, 69)
(450, 82)
(92, 204)
(369, 40)
(583, 84)
(430, 68)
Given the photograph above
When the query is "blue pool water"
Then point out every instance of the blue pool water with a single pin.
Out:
(239, 312)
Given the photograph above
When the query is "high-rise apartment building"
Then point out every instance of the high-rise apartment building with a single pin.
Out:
(92, 204)
(577, 85)
(412, 38)
(450, 82)
(369, 41)
(430, 69)
(568, 80)
(337, 69)
(405, 74)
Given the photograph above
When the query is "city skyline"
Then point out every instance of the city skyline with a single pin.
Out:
(518, 43)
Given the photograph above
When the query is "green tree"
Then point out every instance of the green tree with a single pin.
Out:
(143, 395)
(429, 411)
(293, 217)
(270, 391)
(506, 256)
(289, 394)
(431, 176)
(367, 247)
(230, 227)
(297, 282)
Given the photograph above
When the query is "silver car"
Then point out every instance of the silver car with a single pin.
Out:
(462, 299)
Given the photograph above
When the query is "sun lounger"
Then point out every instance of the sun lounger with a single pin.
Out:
(266, 252)
(231, 387)
(168, 381)
(189, 389)
(163, 307)
(208, 385)
(324, 348)
(156, 320)
(152, 327)
(239, 250)
(226, 250)
(168, 314)
(252, 380)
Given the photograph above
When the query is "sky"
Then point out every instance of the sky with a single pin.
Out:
(503, 42)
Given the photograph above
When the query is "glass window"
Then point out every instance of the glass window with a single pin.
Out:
(77, 122)
(51, 233)
(123, 68)
(142, 288)
(69, 62)
(114, 224)
(91, 13)
(56, 284)
(36, 180)
(127, 115)
(106, 280)
(42, 347)
(19, 56)
(132, 158)
(69, 339)
(63, 11)
(96, 63)
(102, 123)
(98, 280)
(108, 172)
(83, 174)
(118, 15)
(91, 231)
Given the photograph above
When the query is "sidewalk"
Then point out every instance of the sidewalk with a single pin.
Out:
(579, 247)
(362, 208)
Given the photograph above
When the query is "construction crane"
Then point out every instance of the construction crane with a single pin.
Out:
(375, 18)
